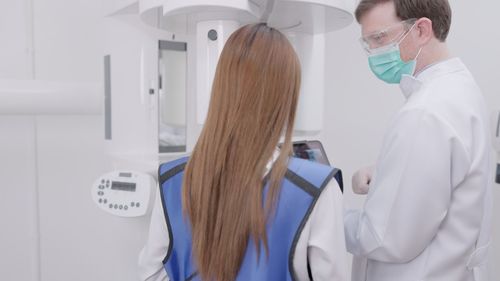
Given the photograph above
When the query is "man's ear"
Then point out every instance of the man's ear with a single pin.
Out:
(424, 29)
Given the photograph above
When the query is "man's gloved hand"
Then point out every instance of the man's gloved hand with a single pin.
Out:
(361, 180)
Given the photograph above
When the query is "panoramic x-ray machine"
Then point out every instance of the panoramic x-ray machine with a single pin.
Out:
(159, 61)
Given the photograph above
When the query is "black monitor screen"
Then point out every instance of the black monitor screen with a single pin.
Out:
(310, 150)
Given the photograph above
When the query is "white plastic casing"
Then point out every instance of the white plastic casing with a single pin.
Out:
(123, 193)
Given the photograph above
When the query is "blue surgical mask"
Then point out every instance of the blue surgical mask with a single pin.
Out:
(387, 64)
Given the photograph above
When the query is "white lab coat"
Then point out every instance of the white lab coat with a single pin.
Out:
(427, 216)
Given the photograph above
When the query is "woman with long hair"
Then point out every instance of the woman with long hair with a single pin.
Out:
(239, 208)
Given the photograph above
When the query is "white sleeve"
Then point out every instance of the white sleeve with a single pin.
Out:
(152, 255)
(410, 193)
(326, 249)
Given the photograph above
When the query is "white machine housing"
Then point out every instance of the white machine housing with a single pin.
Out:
(136, 27)
(136, 30)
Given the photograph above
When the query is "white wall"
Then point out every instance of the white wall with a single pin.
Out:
(78, 241)
(18, 199)
(360, 105)
(17, 44)
(68, 40)
(51, 230)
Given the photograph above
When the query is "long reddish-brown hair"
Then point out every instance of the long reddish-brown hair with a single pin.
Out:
(253, 103)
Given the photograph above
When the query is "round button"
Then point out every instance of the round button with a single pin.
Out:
(107, 184)
(102, 181)
(121, 207)
(116, 206)
(100, 193)
(101, 186)
(132, 204)
(212, 34)
(138, 204)
(110, 206)
(100, 200)
(105, 201)
(125, 207)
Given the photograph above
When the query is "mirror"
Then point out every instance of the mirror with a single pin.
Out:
(172, 96)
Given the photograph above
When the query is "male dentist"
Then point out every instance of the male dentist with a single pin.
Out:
(428, 210)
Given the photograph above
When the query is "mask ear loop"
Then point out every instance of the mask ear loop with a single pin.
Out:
(418, 54)
(415, 59)
(419, 50)
(406, 35)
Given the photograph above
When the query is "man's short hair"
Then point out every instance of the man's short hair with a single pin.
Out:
(438, 11)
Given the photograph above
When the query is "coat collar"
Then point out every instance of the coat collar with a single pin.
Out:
(411, 84)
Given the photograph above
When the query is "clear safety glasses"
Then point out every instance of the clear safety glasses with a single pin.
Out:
(388, 36)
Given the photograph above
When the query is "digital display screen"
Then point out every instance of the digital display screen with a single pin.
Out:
(310, 150)
(123, 186)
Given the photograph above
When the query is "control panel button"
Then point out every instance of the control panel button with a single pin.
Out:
(137, 204)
